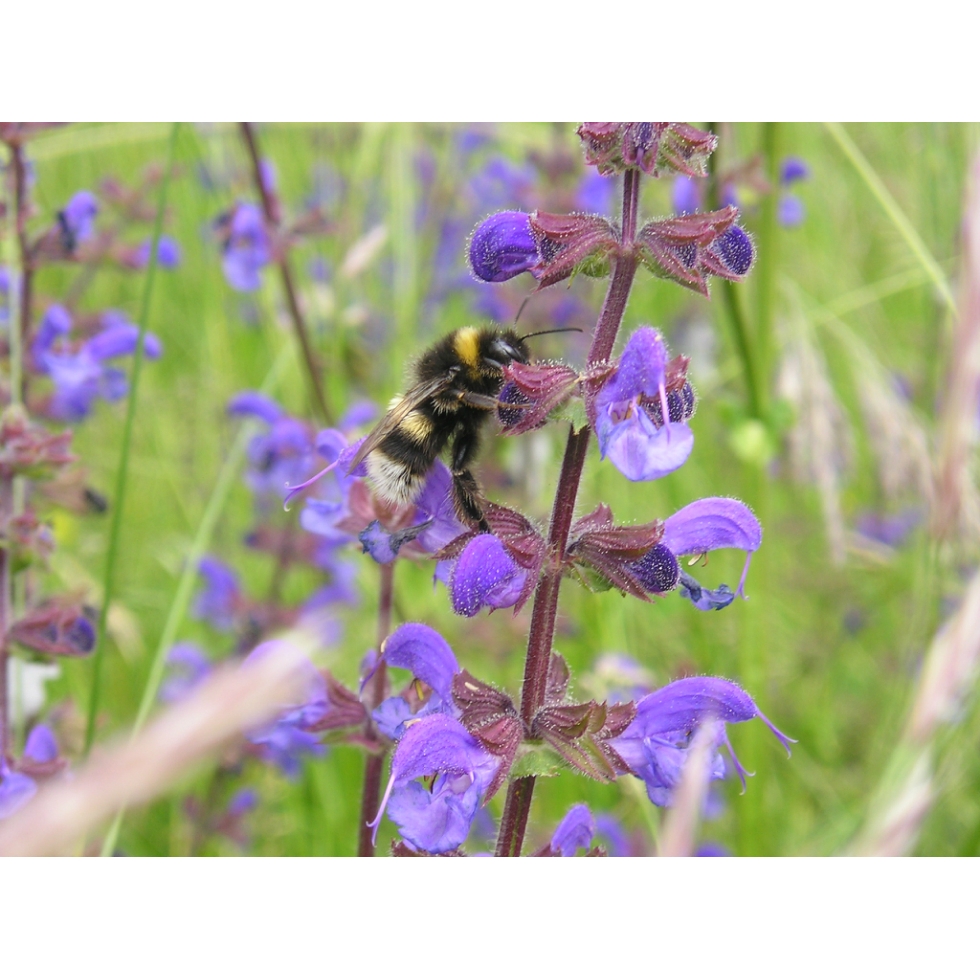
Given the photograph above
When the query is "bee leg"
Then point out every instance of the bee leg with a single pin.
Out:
(474, 400)
(467, 497)
(466, 491)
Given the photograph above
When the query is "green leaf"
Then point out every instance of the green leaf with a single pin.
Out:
(537, 760)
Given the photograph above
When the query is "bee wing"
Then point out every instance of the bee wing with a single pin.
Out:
(410, 401)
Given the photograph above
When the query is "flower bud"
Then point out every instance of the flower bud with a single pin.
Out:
(502, 247)
(657, 571)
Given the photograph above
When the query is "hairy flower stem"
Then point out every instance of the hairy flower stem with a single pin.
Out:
(374, 764)
(545, 609)
(272, 216)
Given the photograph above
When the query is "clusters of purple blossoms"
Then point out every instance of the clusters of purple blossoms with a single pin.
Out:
(168, 253)
(245, 246)
(656, 744)
(688, 193)
(439, 775)
(40, 757)
(80, 372)
(77, 219)
(630, 431)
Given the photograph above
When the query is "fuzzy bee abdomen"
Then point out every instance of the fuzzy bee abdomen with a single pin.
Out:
(399, 465)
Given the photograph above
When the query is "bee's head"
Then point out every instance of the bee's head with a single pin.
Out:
(505, 347)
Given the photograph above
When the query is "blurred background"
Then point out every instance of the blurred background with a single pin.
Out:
(824, 386)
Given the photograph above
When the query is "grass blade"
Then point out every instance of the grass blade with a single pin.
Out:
(895, 214)
(122, 473)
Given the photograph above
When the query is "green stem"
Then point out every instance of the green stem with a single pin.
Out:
(765, 270)
(182, 595)
(123, 471)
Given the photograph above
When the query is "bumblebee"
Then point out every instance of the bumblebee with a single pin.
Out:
(457, 383)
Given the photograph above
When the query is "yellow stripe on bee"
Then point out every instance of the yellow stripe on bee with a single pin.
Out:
(467, 346)
(416, 425)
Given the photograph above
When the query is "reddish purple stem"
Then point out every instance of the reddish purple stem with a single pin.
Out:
(545, 610)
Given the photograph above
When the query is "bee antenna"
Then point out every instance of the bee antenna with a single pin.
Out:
(541, 333)
(521, 310)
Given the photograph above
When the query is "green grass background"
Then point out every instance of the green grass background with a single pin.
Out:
(842, 693)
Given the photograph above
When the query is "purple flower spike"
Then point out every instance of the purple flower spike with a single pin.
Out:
(247, 248)
(78, 216)
(627, 434)
(15, 790)
(420, 649)
(502, 247)
(437, 818)
(485, 575)
(656, 743)
(41, 745)
(711, 523)
(576, 830)
(793, 168)
(220, 598)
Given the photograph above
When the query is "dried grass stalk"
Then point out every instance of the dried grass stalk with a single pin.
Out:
(957, 508)
(235, 699)
(681, 824)
(820, 440)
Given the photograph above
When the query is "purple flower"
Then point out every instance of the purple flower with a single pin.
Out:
(436, 816)
(656, 743)
(889, 529)
(500, 183)
(616, 838)
(636, 445)
(434, 523)
(78, 217)
(242, 802)
(686, 195)
(187, 666)
(484, 574)
(41, 745)
(576, 830)
(793, 168)
(257, 404)
(503, 246)
(168, 253)
(707, 600)
(290, 737)
(246, 248)
(711, 523)
(734, 250)
(595, 193)
(81, 376)
(657, 571)
(15, 789)
(422, 651)
(220, 599)
(790, 211)
(283, 455)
